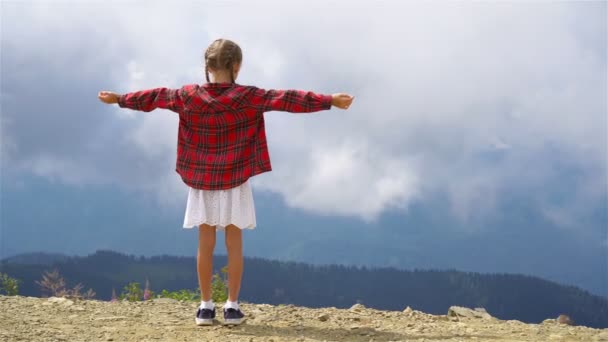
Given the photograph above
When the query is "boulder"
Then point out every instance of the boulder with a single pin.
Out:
(60, 300)
(459, 311)
(549, 321)
(564, 319)
(357, 307)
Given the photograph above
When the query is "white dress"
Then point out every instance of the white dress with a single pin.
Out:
(221, 208)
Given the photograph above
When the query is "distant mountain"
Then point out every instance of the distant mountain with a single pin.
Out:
(35, 258)
(505, 296)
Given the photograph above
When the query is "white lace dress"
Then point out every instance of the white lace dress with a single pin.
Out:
(221, 208)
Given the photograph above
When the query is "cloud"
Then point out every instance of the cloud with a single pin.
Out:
(464, 99)
(349, 178)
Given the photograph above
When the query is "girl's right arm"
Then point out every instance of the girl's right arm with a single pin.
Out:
(298, 101)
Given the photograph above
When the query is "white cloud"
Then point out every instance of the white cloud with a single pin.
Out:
(345, 179)
(435, 86)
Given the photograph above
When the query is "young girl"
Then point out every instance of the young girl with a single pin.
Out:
(221, 144)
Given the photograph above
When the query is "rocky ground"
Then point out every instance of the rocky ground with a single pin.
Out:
(60, 319)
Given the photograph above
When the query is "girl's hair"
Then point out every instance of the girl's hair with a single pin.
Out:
(222, 54)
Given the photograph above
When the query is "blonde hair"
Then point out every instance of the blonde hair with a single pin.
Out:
(222, 54)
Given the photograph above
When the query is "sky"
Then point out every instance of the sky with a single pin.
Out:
(477, 138)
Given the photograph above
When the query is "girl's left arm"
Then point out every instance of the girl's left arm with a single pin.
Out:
(147, 100)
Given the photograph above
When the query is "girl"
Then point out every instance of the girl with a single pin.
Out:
(221, 144)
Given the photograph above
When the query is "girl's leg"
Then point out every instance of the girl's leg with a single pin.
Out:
(204, 260)
(234, 245)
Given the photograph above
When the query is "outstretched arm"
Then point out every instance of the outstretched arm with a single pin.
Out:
(298, 101)
(146, 100)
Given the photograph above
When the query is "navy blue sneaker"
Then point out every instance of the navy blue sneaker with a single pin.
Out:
(205, 316)
(233, 316)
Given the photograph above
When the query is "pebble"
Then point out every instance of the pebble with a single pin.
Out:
(323, 317)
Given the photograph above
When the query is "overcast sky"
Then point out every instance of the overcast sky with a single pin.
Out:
(468, 101)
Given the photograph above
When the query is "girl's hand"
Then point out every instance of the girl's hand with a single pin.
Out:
(108, 97)
(341, 100)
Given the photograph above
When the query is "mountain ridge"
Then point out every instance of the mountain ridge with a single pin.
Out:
(509, 296)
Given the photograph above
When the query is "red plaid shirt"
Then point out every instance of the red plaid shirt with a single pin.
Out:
(221, 139)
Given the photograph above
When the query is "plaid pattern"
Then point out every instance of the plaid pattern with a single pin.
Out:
(221, 138)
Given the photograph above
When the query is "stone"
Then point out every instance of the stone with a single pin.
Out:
(408, 310)
(357, 307)
(565, 319)
(60, 300)
(549, 321)
(460, 311)
(323, 317)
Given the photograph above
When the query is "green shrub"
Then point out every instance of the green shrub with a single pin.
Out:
(9, 286)
(219, 288)
(185, 295)
(132, 292)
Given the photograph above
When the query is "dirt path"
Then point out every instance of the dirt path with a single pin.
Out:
(59, 319)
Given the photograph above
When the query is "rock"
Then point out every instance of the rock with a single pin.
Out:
(549, 321)
(460, 311)
(56, 299)
(60, 300)
(357, 307)
(565, 319)
(408, 310)
(323, 317)
(262, 307)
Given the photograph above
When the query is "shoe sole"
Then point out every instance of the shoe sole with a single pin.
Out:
(202, 321)
(233, 321)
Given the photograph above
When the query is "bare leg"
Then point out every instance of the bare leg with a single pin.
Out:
(234, 245)
(204, 260)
